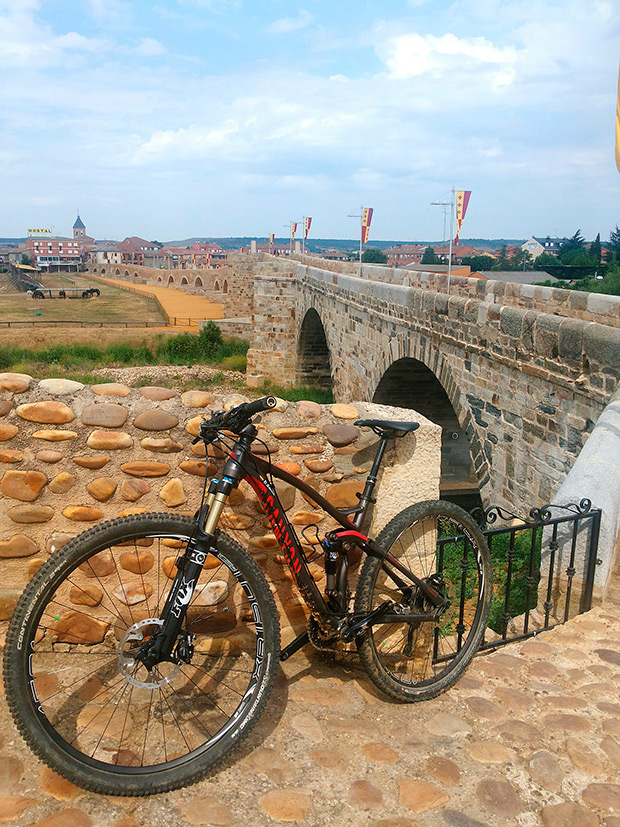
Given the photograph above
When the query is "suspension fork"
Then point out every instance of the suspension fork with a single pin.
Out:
(189, 568)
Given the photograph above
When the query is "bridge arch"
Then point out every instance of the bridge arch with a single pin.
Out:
(126, 273)
(170, 279)
(410, 383)
(184, 281)
(159, 280)
(216, 286)
(117, 272)
(198, 282)
(313, 366)
(103, 271)
(225, 288)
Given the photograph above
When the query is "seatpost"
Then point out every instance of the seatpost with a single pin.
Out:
(371, 480)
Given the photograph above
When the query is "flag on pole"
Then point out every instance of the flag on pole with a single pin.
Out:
(271, 239)
(307, 227)
(366, 219)
(293, 228)
(618, 128)
(462, 202)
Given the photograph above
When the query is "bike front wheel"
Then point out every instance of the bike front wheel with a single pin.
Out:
(89, 708)
(440, 543)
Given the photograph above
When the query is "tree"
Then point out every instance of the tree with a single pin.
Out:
(25, 259)
(503, 262)
(545, 260)
(571, 245)
(374, 256)
(614, 242)
(479, 262)
(521, 260)
(595, 249)
(429, 256)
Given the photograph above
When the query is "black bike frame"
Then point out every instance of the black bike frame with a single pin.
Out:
(243, 464)
(256, 474)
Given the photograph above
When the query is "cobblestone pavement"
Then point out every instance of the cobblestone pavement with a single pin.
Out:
(530, 736)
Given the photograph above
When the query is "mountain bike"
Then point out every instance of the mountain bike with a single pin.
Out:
(145, 649)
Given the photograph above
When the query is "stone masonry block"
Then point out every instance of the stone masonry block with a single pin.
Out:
(547, 335)
(571, 339)
(602, 344)
(511, 321)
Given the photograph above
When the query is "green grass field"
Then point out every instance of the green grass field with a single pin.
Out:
(114, 304)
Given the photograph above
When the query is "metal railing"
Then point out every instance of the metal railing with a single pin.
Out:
(555, 548)
(557, 545)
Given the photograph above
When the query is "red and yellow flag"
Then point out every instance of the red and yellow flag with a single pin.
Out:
(462, 202)
(307, 227)
(366, 219)
(293, 228)
(271, 238)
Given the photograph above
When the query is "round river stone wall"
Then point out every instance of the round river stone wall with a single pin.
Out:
(72, 455)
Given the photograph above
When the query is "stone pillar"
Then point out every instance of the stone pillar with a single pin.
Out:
(594, 476)
(273, 351)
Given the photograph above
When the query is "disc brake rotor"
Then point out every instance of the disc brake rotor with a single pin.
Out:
(130, 667)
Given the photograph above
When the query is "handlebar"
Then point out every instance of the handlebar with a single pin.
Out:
(235, 419)
(265, 403)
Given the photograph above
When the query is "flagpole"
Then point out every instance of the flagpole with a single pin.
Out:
(359, 272)
(303, 241)
(451, 237)
(290, 246)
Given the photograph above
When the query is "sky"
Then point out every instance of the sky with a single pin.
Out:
(169, 119)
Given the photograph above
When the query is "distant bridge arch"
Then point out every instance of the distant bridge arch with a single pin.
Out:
(313, 356)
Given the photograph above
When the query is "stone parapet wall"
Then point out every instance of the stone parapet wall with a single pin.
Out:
(526, 386)
(72, 456)
(594, 307)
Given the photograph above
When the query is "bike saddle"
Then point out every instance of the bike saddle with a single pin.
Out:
(387, 428)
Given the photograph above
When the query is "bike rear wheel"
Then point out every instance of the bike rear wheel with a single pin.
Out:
(410, 661)
(82, 701)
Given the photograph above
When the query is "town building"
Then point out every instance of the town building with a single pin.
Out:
(535, 245)
(105, 254)
(200, 254)
(403, 254)
(133, 249)
(54, 253)
(80, 234)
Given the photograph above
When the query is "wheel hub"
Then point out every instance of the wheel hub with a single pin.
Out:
(132, 669)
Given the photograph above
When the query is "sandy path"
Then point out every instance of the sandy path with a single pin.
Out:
(176, 303)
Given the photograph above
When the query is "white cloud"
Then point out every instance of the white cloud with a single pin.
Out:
(520, 101)
(149, 47)
(285, 25)
(109, 11)
(26, 42)
(415, 54)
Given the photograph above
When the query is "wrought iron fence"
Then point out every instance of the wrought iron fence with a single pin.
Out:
(556, 543)
(543, 570)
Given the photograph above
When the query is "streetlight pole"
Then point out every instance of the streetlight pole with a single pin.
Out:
(450, 204)
(361, 218)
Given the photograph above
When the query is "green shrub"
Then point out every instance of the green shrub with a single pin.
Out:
(322, 396)
(210, 338)
(236, 362)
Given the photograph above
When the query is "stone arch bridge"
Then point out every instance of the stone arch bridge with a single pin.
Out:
(517, 375)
